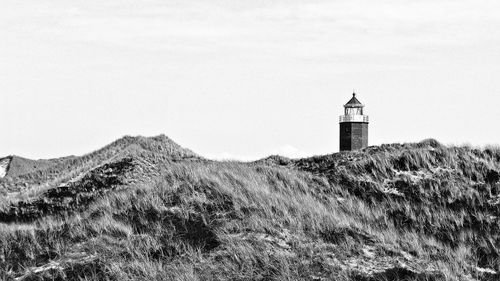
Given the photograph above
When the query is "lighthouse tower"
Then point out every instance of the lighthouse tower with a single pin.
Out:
(353, 126)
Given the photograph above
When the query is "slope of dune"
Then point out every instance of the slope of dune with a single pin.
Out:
(26, 173)
(4, 166)
(147, 209)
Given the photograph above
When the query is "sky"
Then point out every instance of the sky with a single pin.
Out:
(238, 79)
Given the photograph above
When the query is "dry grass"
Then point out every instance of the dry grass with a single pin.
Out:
(328, 217)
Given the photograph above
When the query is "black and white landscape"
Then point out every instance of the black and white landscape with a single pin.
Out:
(350, 140)
(148, 209)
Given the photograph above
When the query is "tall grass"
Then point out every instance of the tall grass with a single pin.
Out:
(34, 177)
(326, 217)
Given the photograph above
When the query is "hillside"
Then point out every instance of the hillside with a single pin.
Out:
(23, 172)
(148, 209)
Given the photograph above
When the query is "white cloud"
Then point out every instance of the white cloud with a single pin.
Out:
(289, 151)
(228, 156)
(286, 150)
(302, 29)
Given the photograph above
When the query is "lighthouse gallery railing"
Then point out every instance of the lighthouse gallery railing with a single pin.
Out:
(353, 118)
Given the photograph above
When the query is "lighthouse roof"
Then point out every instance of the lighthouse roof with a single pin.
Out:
(353, 102)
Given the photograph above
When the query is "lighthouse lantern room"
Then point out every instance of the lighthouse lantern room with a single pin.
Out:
(353, 126)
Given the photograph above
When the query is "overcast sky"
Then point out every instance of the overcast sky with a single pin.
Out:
(245, 79)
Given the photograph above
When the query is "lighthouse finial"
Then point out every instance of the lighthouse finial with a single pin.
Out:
(353, 92)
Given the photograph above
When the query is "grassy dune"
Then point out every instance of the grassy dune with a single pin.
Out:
(151, 210)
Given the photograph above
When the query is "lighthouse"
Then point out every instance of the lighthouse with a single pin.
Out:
(353, 126)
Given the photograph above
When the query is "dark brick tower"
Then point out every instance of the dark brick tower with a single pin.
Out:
(353, 126)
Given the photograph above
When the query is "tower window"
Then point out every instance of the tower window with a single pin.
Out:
(353, 111)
